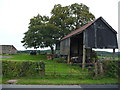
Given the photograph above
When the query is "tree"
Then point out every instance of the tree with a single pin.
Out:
(71, 17)
(41, 33)
(50, 36)
(44, 31)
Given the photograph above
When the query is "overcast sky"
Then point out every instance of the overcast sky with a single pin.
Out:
(15, 15)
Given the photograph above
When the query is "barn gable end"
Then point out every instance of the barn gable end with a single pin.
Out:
(100, 35)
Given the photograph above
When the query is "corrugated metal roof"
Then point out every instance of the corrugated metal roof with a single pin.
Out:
(79, 30)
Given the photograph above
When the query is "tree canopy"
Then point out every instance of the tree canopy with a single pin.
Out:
(69, 18)
(45, 31)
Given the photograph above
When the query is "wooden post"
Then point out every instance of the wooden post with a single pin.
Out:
(42, 68)
(68, 59)
(69, 50)
(113, 53)
(84, 51)
(83, 59)
(101, 68)
(96, 69)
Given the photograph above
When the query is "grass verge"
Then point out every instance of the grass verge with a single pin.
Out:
(61, 81)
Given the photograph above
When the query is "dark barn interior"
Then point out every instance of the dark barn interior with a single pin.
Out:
(76, 47)
(78, 44)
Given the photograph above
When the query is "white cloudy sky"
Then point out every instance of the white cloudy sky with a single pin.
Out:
(15, 15)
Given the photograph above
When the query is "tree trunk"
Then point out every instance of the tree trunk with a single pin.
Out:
(52, 50)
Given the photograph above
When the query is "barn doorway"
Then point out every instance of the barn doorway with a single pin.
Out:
(76, 48)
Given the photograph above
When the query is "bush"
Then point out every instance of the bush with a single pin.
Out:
(111, 68)
(21, 68)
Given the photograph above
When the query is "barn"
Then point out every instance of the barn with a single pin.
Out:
(7, 49)
(97, 34)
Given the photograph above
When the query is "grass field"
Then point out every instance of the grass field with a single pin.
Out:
(58, 69)
(26, 57)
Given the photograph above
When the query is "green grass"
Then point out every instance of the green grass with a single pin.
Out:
(62, 81)
(64, 69)
(26, 57)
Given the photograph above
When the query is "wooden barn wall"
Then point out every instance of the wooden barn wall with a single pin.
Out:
(65, 47)
(99, 35)
(90, 37)
(106, 36)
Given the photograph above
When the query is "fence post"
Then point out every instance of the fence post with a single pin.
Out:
(83, 58)
(42, 68)
(101, 68)
(68, 61)
(96, 69)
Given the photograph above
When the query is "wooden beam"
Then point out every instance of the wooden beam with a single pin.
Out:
(95, 29)
(84, 51)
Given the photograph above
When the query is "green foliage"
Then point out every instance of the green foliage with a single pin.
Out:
(33, 36)
(21, 69)
(111, 68)
(94, 56)
(41, 33)
(69, 18)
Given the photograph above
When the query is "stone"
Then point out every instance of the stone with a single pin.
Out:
(12, 81)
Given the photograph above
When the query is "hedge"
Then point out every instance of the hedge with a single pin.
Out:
(22, 68)
(111, 68)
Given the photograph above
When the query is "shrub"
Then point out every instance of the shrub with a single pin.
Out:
(111, 68)
(21, 68)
